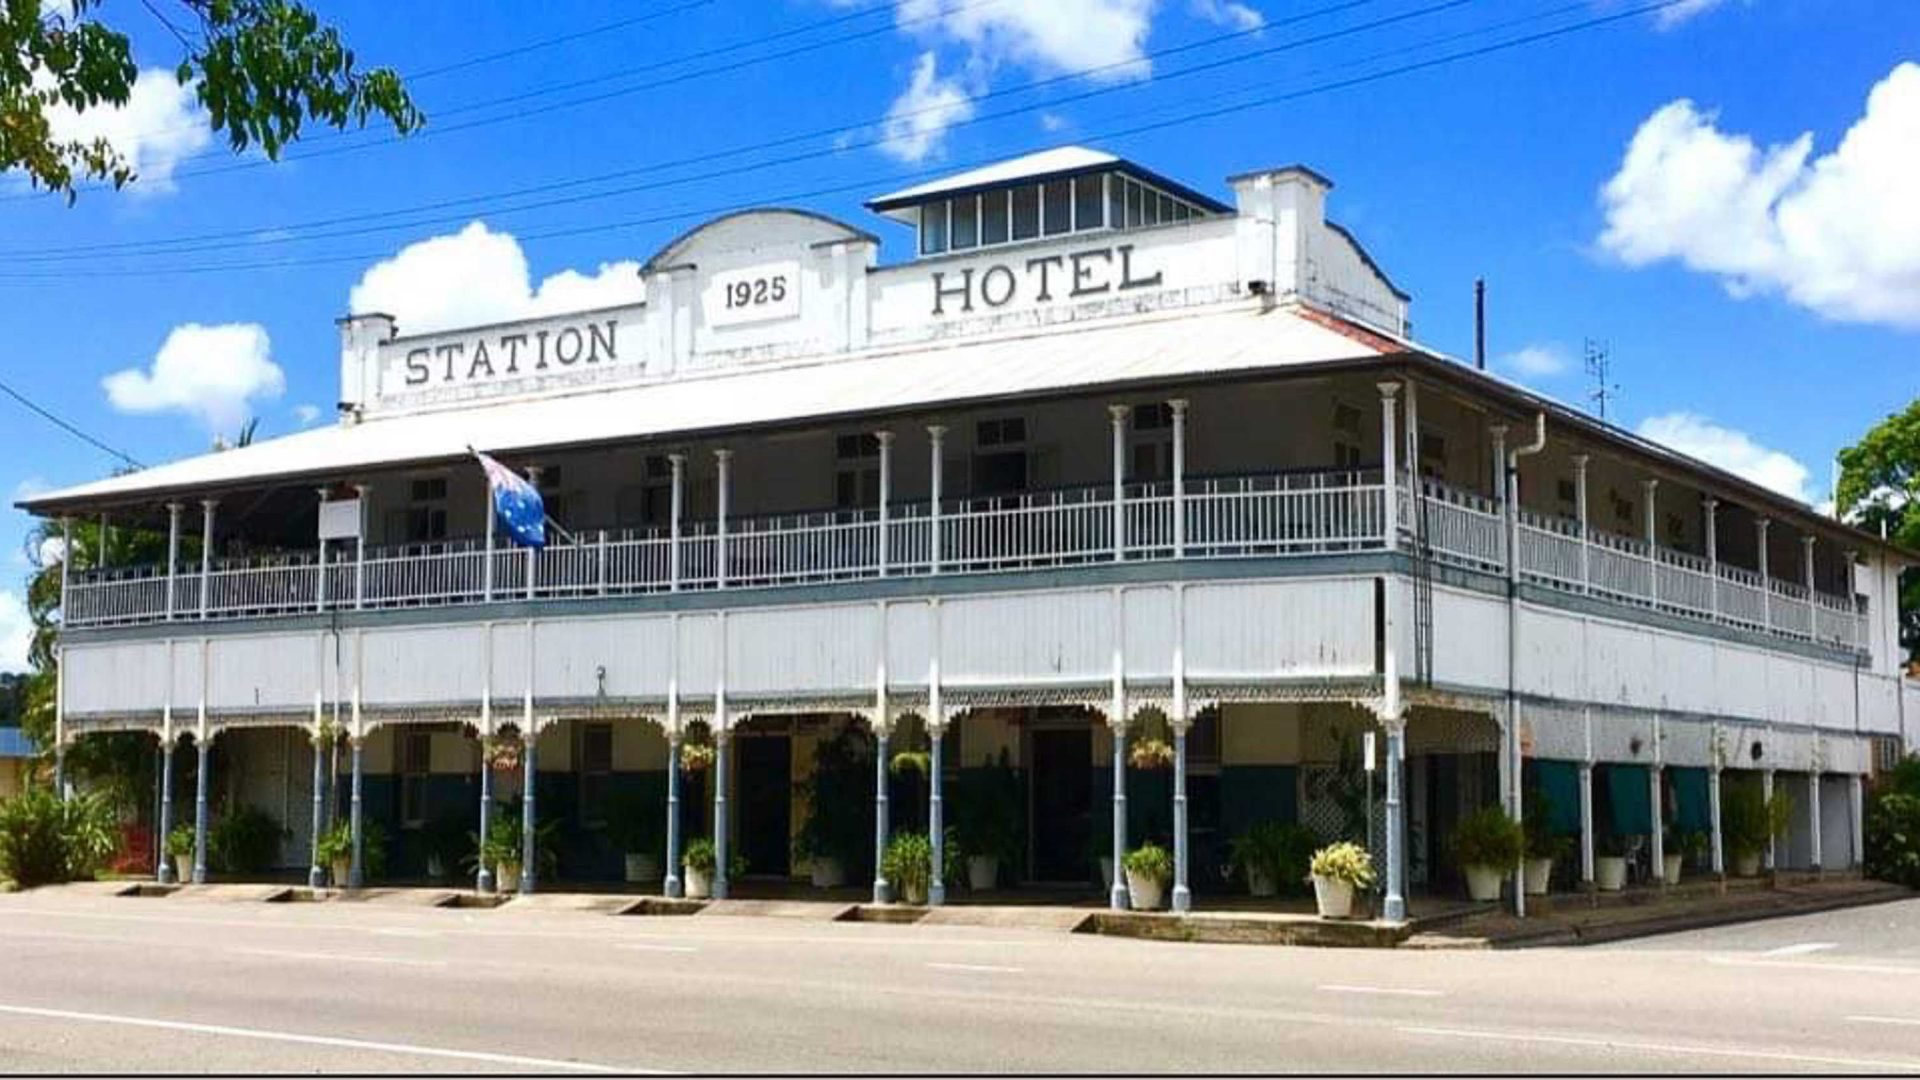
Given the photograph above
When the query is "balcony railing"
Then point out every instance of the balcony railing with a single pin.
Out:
(1290, 514)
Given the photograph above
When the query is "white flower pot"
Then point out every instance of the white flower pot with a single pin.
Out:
(1744, 865)
(1333, 898)
(1106, 872)
(342, 872)
(183, 868)
(1259, 884)
(1670, 867)
(1483, 882)
(1539, 876)
(827, 872)
(1144, 893)
(642, 866)
(699, 883)
(506, 877)
(436, 868)
(983, 872)
(913, 892)
(1610, 873)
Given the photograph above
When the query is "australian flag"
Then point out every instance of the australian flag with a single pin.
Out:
(516, 503)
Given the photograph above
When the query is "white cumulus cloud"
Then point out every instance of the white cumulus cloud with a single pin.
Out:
(1242, 17)
(1536, 361)
(918, 119)
(478, 276)
(1732, 450)
(16, 632)
(160, 125)
(213, 373)
(1837, 234)
(1685, 11)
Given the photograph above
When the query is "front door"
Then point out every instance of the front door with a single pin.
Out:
(766, 802)
(1062, 801)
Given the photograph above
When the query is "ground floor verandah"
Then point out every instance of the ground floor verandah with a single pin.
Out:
(1025, 797)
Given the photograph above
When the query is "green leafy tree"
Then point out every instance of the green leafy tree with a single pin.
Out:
(263, 69)
(1880, 491)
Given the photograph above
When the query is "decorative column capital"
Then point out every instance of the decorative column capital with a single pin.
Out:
(1650, 484)
(1119, 413)
(1807, 541)
(1710, 504)
(1761, 523)
(208, 504)
(1388, 389)
(1178, 405)
(936, 432)
(1498, 431)
(174, 507)
(884, 437)
(723, 455)
(677, 460)
(361, 487)
(1580, 462)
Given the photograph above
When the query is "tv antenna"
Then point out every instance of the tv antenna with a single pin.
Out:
(1599, 364)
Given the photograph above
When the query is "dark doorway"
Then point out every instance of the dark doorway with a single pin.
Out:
(1062, 801)
(766, 802)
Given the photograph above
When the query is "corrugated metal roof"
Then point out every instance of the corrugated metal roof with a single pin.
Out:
(1233, 337)
(15, 744)
(1044, 163)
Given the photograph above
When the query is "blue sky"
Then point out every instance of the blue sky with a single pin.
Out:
(1760, 294)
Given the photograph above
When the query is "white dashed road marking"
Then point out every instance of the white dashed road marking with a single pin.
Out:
(1384, 991)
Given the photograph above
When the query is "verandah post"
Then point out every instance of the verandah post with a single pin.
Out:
(1178, 407)
(173, 556)
(885, 439)
(723, 466)
(1118, 415)
(936, 435)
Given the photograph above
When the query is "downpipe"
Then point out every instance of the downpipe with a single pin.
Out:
(1515, 801)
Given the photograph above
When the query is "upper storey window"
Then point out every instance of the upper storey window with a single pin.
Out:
(1101, 200)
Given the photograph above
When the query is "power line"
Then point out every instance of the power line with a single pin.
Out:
(547, 43)
(199, 244)
(65, 425)
(866, 184)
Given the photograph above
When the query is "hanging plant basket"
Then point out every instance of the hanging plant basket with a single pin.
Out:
(1150, 753)
(911, 763)
(503, 754)
(696, 757)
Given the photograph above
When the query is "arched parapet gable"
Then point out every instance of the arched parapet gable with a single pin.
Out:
(756, 229)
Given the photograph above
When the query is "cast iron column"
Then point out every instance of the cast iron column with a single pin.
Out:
(671, 886)
(722, 848)
(1182, 895)
(882, 889)
(936, 816)
(529, 814)
(166, 874)
(200, 748)
(483, 874)
(357, 869)
(317, 874)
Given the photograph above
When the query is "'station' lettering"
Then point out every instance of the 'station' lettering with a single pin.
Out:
(503, 355)
(1076, 274)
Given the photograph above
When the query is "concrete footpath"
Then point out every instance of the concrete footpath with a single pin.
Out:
(1438, 924)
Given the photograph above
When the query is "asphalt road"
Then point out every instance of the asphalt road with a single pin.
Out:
(94, 983)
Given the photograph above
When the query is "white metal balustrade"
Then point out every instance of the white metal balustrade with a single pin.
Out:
(1308, 513)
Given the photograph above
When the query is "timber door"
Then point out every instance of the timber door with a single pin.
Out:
(1062, 802)
(766, 802)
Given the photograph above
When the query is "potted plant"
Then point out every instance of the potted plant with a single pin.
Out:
(699, 862)
(1339, 869)
(1749, 822)
(1149, 869)
(832, 831)
(1271, 854)
(244, 840)
(501, 850)
(1544, 847)
(908, 864)
(1149, 753)
(635, 828)
(180, 850)
(1487, 845)
(990, 802)
(1675, 848)
(443, 836)
(335, 851)
(696, 756)
(1610, 863)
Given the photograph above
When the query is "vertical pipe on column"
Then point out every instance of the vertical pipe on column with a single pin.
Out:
(317, 874)
(936, 814)
(1117, 895)
(676, 505)
(882, 888)
(1178, 406)
(529, 812)
(1813, 814)
(1766, 796)
(1716, 850)
(671, 886)
(206, 554)
(1856, 816)
(173, 556)
(166, 875)
(357, 871)
(722, 840)
(200, 749)
(1586, 824)
(723, 496)
(483, 880)
(1118, 413)
(1656, 784)
(936, 435)
(1394, 907)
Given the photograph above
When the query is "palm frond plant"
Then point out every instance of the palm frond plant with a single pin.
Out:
(1339, 870)
(1272, 856)
(908, 864)
(1149, 870)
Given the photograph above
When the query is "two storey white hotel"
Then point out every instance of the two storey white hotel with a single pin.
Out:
(1109, 458)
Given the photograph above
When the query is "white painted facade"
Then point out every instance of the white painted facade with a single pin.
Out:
(1277, 554)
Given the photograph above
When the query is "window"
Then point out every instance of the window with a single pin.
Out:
(416, 765)
(1116, 201)
(596, 771)
(1347, 439)
(1026, 212)
(1136, 205)
(1676, 530)
(993, 217)
(856, 482)
(1057, 213)
(1433, 455)
(1622, 507)
(1150, 447)
(1089, 203)
(1000, 456)
(933, 228)
(965, 225)
(425, 520)
(1569, 494)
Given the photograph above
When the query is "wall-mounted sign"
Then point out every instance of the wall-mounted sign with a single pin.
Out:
(340, 519)
(753, 294)
(1043, 279)
(513, 353)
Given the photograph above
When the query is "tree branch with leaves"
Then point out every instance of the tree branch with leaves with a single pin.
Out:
(1880, 492)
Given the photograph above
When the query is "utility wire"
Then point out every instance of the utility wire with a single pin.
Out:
(548, 43)
(207, 242)
(866, 184)
(65, 425)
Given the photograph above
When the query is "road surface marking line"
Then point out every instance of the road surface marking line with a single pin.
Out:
(341, 958)
(1813, 965)
(1801, 949)
(661, 948)
(1388, 991)
(975, 967)
(1663, 1048)
(265, 1035)
(1904, 1021)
